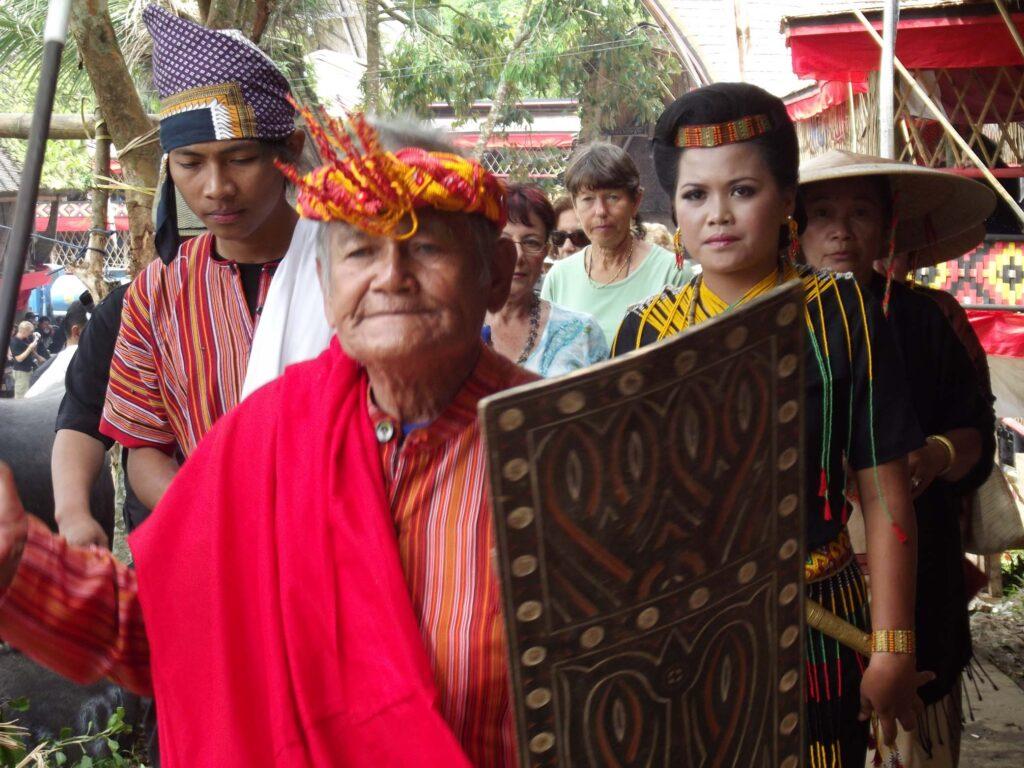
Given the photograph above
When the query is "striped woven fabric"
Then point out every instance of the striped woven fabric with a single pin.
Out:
(182, 351)
(436, 480)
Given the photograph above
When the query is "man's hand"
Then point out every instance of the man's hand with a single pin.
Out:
(13, 527)
(889, 690)
(80, 529)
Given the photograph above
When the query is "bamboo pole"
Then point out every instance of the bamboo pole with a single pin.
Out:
(98, 237)
(886, 84)
(944, 122)
(1014, 32)
(16, 125)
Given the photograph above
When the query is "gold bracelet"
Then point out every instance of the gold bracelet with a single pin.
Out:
(950, 449)
(892, 641)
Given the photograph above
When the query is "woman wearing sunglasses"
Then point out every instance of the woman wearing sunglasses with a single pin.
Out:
(618, 269)
(541, 336)
(568, 236)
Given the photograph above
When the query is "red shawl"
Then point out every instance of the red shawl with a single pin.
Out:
(279, 620)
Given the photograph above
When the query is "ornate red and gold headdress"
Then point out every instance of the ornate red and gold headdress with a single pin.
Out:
(375, 190)
(730, 132)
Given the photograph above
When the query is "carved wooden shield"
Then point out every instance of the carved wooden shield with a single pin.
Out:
(649, 526)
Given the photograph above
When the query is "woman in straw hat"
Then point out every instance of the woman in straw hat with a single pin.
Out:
(860, 209)
(727, 156)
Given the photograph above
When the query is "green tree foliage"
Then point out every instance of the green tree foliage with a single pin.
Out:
(606, 53)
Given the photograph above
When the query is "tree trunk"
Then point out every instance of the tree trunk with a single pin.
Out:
(90, 271)
(371, 81)
(223, 14)
(126, 119)
(523, 35)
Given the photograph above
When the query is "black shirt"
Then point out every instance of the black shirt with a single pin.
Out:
(85, 386)
(18, 347)
(871, 422)
(946, 395)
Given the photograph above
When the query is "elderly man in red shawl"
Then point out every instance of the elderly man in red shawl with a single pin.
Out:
(316, 587)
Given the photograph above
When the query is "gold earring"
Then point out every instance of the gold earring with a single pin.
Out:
(679, 248)
(794, 239)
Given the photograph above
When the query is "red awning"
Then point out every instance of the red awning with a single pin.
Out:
(845, 52)
(78, 223)
(825, 95)
(521, 140)
(29, 281)
(1001, 332)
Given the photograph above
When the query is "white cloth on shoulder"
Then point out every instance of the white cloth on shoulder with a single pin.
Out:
(292, 325)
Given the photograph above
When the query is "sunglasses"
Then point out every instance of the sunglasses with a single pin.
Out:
(577, 237)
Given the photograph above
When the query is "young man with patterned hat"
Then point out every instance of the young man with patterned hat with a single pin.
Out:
(224, 312)
(319, 572)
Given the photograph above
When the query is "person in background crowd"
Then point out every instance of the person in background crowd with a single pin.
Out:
(193, 320)
(855, 204)
(567, 237)
(618, 269)
(23, 354)
(52, 379)
(540, 336)
(727, 156)
(79, 446)
(658, 234)
(52, 339)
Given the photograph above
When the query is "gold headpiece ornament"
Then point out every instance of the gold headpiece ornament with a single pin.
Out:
(374, 190)
(729, 132)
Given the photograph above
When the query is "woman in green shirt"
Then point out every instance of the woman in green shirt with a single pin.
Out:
(618, 269)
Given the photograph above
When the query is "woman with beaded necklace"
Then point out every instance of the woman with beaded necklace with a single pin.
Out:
(618, 268)
(539, 335)
(727, 156)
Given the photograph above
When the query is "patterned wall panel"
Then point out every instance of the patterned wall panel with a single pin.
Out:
(993, 273)
(649, 523)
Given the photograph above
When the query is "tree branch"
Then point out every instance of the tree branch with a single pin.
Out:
(523, 36)
(262, 15)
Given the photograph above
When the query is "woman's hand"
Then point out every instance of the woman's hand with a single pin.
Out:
(889, 690)
(926, 464)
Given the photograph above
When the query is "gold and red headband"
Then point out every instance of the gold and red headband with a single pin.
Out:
(730, 132)
(374, 190)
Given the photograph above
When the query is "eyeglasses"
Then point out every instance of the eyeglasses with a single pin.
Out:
(532, 246)
(577, 237)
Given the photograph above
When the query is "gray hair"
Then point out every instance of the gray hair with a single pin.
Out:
(395, 135)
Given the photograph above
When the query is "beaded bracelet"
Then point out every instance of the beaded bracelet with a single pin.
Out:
(892, 641)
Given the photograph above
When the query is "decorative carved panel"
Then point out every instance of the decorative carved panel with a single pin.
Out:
(650, 524)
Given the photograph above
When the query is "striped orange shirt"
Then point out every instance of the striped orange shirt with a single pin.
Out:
(437, 483)
(77, 611)
(182, 352)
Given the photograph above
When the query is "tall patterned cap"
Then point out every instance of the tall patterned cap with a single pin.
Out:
(214, 85)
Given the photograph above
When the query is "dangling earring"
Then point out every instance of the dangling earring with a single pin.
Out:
(679, 248)
(890, 259)
(794, 240)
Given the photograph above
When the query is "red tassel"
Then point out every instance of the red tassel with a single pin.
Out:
(900, 534)
(828, 509)
(823, 485)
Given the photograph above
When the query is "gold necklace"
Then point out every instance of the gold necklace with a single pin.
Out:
(625, 264)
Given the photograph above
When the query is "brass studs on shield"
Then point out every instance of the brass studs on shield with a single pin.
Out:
(571, 402)
(516, 470)
(511, 419)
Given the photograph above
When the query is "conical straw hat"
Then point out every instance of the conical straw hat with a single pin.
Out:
(933, 207)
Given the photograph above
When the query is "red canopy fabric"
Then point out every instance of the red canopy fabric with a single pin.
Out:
(520, 140)
(1001, 332)
(29, 281)
(845, 52)
(824, 96)
(78, 223)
